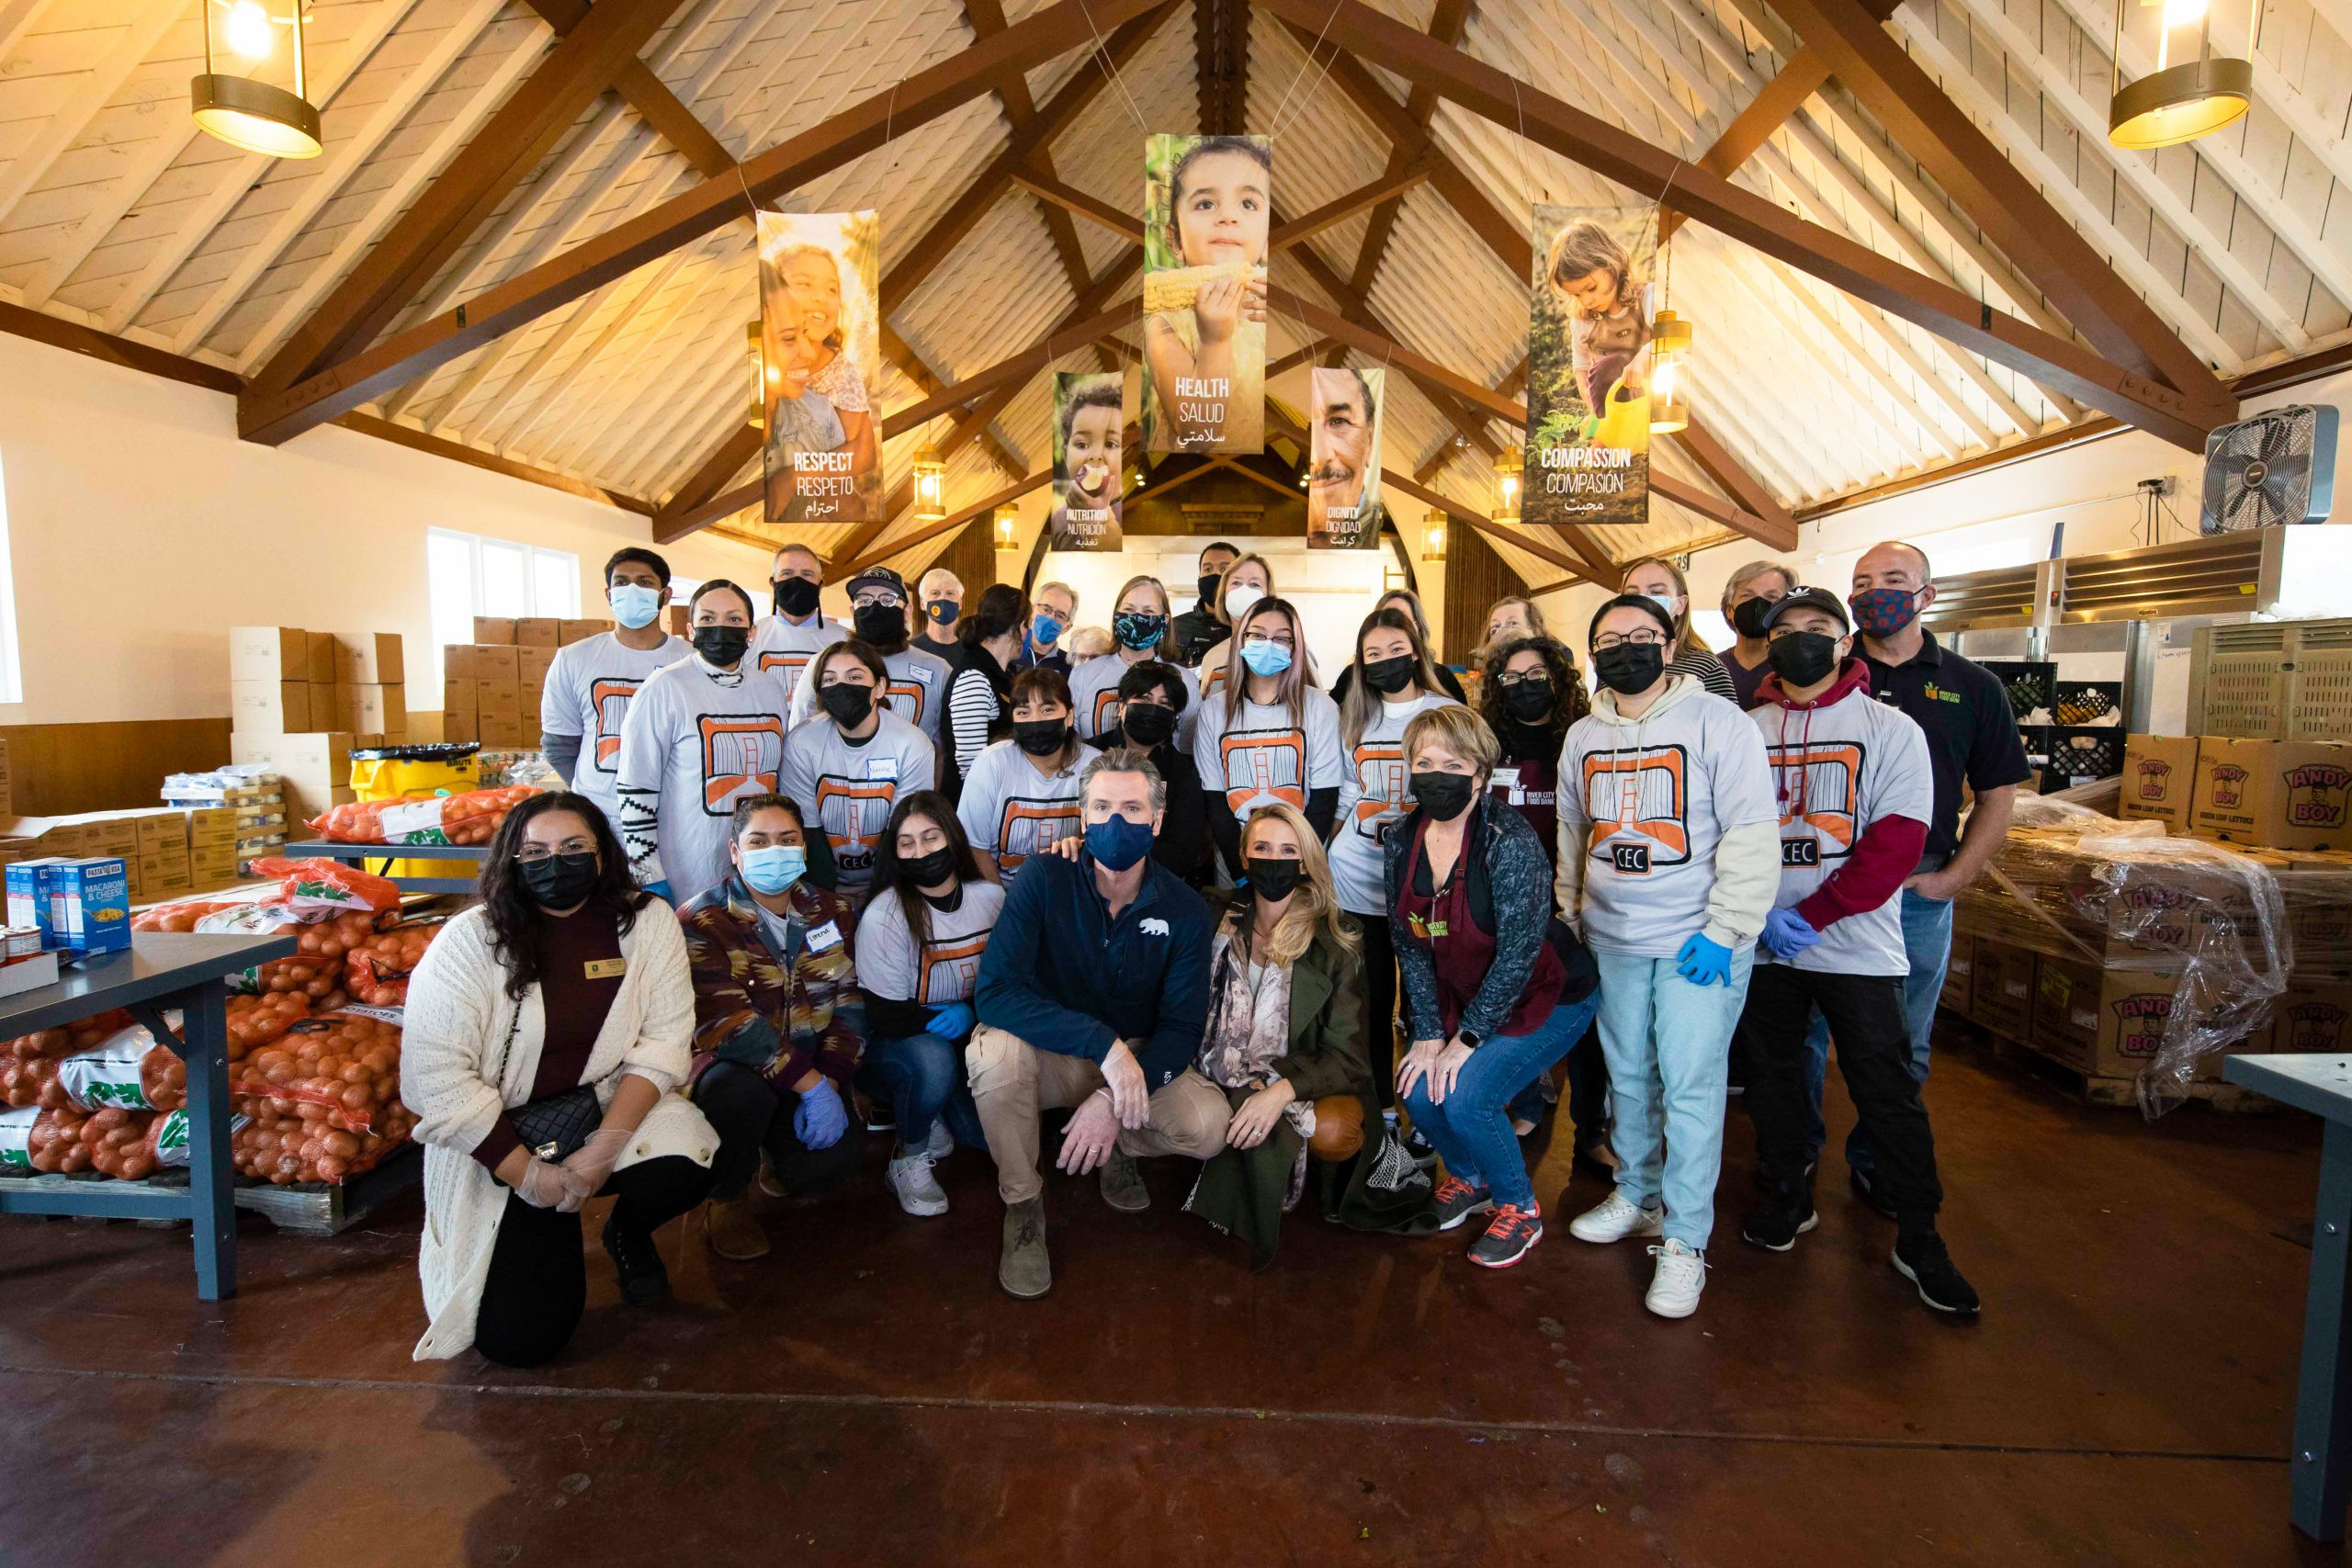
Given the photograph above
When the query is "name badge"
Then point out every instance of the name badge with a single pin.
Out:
(922, 674)
(825, 938)
(606, 968)
(886, 768)
(1506, 780)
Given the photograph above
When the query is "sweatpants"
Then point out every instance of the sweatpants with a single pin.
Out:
(1013, 1082)
(751, 1115)
(1668, 1044)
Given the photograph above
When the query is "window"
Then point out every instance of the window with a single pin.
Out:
(12, 682)
(467, 575)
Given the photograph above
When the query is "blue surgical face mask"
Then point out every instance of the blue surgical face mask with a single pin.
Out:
(772, 868)
(1666, 602)
(1265, 657)
(635, 606)
(1118, 842)
(1044, 630)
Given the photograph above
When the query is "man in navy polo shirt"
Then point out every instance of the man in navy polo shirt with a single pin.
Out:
(1972, 740)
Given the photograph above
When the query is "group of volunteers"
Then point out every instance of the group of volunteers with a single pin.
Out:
(938, 873)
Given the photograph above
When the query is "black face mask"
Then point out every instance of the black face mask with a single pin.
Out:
(1389, 674)
(1630, 667)
(1800, 659)
(795, 597)
(1146, 724)
(1747, 616)
(1529, 702)
(884, 626)
(1275, 879)
(931, 870)
(845, 704)
(560, 882)
(722, 646)
(1040, 737)
(1208, 587)
(1443, 795)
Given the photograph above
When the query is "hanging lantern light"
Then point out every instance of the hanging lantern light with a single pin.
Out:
(931, 486)
(1434, 535)
(757, 347)
(1008, 527)
(2192, 90)
(1511, 470)
(1669, 379)
(252, 91)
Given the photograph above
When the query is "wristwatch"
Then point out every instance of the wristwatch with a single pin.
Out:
(1469, 1037)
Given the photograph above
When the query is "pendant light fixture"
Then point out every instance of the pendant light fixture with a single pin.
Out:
(1510, 472)
(758, 351)
(1433, 536)
(253, 91)
(1669, 354)
(2192, 90)
(1008, 527)
(931, 486)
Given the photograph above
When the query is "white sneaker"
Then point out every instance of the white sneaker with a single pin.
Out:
(919, 1191)
(1614, 1219)
(942, 1142)
(1681, 1275)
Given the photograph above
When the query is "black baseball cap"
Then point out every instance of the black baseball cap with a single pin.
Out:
(1819, 599)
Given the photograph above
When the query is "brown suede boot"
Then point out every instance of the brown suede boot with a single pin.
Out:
(1023, 1269)
(732, 1231)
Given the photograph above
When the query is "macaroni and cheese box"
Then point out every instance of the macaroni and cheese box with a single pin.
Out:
(89, 905)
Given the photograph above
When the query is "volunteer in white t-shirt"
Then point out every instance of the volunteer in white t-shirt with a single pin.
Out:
(783, 643)
(918, 946)
(1855, 795)
(701, 734)
(916, 689)
(1022, 794)
(1391, 681)
(1669, 857)
(849, 764)
(591, 682)
(1139, 631)
(1273, 734)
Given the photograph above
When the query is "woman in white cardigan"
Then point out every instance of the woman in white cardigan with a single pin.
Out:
(565, 976)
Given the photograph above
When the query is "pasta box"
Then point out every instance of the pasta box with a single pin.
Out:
(89, 905)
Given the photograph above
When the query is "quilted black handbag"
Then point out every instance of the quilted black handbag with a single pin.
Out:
(554, 1128)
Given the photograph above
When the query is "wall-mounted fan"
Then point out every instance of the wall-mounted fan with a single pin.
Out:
(2277, 466)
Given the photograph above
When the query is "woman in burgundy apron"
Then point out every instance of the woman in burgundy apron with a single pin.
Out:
(1495, 991)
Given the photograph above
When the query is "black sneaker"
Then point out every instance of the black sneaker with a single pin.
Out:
(1927, 1265)
(1457, 1200)
(1866, 1188)
(644, 1281)
(1507, 1240)
(1423, 1151)
(1776, 1225)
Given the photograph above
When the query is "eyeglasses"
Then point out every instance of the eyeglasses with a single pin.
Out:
(577, 844)
(1280, 639)
(882, 596)
(1507, 679)
(1639, 639)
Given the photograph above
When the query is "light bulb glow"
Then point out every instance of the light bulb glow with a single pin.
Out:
(247, 32)
(2182, 13)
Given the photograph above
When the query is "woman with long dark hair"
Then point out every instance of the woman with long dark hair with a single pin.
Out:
(1405, 598)
(979, 692)
(548, 1031)
(919, 950)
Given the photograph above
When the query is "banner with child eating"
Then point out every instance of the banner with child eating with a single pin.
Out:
(1207, 220)
(821, 360)
(1589, 367)
(1089, 424)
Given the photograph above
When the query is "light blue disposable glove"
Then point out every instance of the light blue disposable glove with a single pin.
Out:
(951, 1020)
(1704, 963)
(822, 1118)
(1787, 933)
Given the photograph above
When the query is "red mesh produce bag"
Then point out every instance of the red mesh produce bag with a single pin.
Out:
(181, 917)
(468, 819)
(376, 970)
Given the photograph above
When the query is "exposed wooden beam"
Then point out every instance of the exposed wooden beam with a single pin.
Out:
(1014, 367)
(918, 100)
(742, 446)
(1778, 528)
(1297, 357)
(1445, 25)
(507, 147)
(1221, 65)
(1768, 110)
(954, 522)
(1069, 199)
(2181, 417)
(474, 457)
(1164, 481)
(650, 96)
(1390, 186)
(986, 19)
(1382, 347)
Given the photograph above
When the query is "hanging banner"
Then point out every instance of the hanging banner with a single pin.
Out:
(821, 352)
(1207, 205)
(1089, 419)
(1589, 367)
(1343, 510)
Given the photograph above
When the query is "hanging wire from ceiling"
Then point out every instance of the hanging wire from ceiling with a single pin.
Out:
(1300, 75)
(1102, 53)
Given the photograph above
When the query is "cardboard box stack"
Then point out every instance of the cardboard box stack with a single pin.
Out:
(154, 846)
(298, 700)
(492, 686)
(234, 815)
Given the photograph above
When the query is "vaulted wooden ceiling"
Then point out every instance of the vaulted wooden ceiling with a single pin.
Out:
(1908, 242)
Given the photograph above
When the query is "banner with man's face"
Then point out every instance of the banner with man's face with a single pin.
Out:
(1089, 419)
(1343, 509)
(1207, 222)
(821, 355)
(1589, 367)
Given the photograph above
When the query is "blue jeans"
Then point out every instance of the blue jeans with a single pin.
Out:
(1927, 938)
(1471, 1132)
(1669, 1045)
(922, 1077)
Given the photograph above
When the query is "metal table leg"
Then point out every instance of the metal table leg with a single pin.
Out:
(205, 1020)
(2322, 1453)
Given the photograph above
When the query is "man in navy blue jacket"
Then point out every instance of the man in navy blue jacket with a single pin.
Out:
(1093, 993)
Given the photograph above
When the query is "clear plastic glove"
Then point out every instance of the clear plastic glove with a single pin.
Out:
(1704, 963)
(541, 1186)
(591, 1165)
(951, 1020)
(822, 1118)
(1787, 933)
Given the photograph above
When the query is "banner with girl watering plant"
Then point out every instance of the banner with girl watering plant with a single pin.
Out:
(1207, 205)
(820, 354)
(1589, 365)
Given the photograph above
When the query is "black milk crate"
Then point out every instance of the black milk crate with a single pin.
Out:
(2030, 683)
(2094, 752)
(2082, 704)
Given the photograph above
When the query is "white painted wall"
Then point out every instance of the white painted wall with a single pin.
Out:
(2004, 517)
(140, 528)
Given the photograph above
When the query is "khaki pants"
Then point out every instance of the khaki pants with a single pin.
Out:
(1013, 1081)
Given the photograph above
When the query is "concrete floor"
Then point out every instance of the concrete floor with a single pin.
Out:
(868, 1394)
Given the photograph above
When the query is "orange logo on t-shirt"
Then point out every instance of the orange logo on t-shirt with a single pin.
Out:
(741, 754)
(608, 699)
(1261, 763)
(954, 965)
(1105, 701)
(789, 666)
(905, 699)
(1639, 802)
(1026, 828)
(1818, 789)
(854, 812)
(1380, 769)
